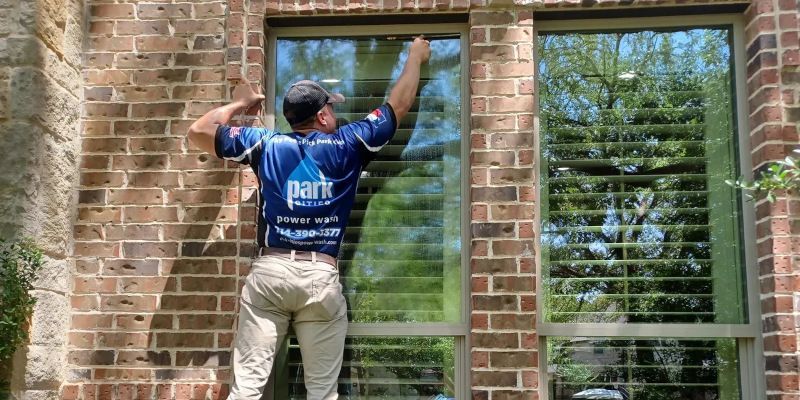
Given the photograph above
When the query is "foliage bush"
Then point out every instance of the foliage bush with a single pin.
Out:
(19, 263)
(780, 176)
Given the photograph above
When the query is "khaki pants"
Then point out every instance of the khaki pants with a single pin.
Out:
(308, 294)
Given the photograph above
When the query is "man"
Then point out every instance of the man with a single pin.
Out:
(308, 184)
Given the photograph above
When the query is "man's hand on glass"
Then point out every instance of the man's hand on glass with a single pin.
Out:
(421, 49)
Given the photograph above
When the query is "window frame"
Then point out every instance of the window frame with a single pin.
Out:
(459, 331)
(748, 336)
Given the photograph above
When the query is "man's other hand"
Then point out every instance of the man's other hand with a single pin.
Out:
(244, 96)
(421, 49)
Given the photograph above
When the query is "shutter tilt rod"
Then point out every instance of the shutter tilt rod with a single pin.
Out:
(441, 36)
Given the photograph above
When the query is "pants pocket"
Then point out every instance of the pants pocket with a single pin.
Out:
(329, 299)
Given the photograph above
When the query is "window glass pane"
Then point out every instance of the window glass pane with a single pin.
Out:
(638, 138)
(642, 369)
(400, 260)
(388, 368)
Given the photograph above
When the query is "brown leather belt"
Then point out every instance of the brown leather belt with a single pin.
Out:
(293, 255)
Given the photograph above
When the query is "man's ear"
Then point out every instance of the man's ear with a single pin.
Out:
(321, 117)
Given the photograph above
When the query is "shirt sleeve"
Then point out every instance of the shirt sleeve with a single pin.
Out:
(239, 143)
(374, 131)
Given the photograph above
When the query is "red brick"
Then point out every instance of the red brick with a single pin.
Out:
(480, 248)
(494, 340)
(160, 10)
(101, 110)
(144, 321)
(505, 321)
(160, 76)
(128, 303)
(132, 232)
(95, 285)
(493, 122)
(479, 176)
(113, 43)
(98, 60)
(115, 11)
(492, 53)
(153, 179)
(480, 212)
(494, 87)
(148, 284)
(99, 214)
(491, 18)
(500, 176)
(511, 70)
(509, 35)
(139, 162)
(173, 339)
(143, 60)
(210, 58)
(150, 249)
(208, 75)
(140, 93)
(141, 145)
(513, 359)
(512, 212)
(479, 321)
(480, 359)
(106, 77)
(512, 247)
(480, 284)
(199, 92)
(158, 27)
(513, 284)
(91, 321)
(161, 43)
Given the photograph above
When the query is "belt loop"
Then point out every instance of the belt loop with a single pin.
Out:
(293, 255)
(314, 257)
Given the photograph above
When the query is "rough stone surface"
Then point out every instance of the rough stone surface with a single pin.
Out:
(50, 319)
(37, 395)
(44, 367)
(54, 107)
(54, 276)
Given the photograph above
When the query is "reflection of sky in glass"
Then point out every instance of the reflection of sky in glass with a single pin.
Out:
(637, 131)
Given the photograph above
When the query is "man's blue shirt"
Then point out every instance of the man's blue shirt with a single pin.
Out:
(307, 183)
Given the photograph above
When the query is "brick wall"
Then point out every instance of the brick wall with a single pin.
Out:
(504, 342)
(156, 238)
(773, 82)
(40, 47)
(163, 231)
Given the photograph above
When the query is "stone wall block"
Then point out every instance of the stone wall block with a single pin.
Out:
(50, 319)
(53, 276)
(34, 95)
(44, 367)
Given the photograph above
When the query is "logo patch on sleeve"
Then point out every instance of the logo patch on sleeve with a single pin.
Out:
(376, 117)
(234, 131)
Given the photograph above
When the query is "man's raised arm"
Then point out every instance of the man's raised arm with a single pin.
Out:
(202, 131)
(404, 92)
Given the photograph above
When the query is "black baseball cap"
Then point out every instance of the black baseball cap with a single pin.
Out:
(304, 99)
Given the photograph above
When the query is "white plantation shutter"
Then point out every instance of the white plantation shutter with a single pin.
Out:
(638, 226)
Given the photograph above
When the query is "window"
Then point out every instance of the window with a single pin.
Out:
(641, 239)
(401, 263)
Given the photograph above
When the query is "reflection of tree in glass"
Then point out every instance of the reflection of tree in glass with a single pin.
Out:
(629, 121)
(625, 138)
